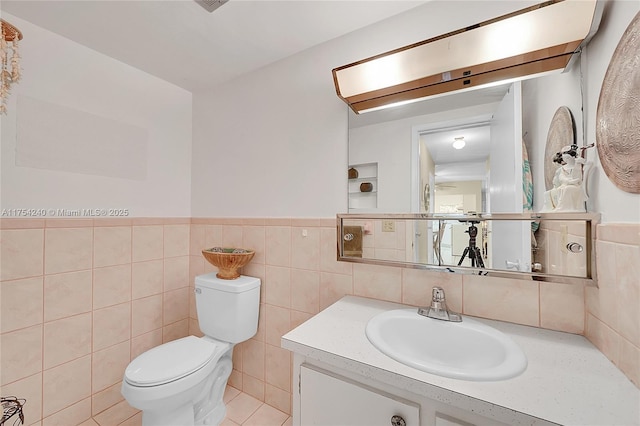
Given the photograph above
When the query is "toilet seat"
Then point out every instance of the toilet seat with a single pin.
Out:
(171, 361)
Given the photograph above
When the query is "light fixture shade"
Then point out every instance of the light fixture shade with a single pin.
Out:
(458, 143)
(535, 40)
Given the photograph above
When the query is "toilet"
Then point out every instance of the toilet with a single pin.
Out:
(182, 382)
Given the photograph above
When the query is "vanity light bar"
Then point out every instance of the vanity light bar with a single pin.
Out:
(535, 40)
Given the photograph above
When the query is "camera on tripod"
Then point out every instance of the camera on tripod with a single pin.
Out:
(472, 250)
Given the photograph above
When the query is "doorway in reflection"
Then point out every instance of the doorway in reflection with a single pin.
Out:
(471, 165)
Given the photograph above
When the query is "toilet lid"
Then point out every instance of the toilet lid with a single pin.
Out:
(170, 361)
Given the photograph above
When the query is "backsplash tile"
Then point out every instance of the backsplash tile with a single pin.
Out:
(377, 282)
(613, 308)
(562, 307)
(417, 286)
(501, 299)
(628, 308)
(120, 310)
(305, 291)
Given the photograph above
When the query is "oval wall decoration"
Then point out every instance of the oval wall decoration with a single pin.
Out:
(561, 133)
(618, 114)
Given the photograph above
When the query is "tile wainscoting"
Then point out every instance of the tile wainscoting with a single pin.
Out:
(612, 320)
(81, 298)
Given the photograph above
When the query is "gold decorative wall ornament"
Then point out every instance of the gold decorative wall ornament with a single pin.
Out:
(10, 72)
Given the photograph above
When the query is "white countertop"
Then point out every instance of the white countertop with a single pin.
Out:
(567, 380)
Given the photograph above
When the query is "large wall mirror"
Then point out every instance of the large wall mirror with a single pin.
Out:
(483, 175)
(460, 152)
(561, 249)
(465, 153)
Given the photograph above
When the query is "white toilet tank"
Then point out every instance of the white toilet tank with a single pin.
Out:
(228, 309)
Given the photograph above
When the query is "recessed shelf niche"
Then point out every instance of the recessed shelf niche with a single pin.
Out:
(359, 200)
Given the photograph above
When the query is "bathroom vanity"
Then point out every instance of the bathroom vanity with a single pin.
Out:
(340, 378)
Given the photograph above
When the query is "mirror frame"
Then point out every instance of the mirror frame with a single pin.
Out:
(590, 219)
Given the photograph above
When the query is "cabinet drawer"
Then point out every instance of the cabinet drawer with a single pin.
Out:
(327, 399)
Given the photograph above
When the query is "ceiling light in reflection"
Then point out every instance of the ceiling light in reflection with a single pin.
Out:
(458, 143)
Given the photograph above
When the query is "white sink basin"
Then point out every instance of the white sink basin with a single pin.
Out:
(467, 350)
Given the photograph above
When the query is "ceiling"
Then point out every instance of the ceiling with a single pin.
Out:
(439, 141)
(180, 42)
(476, 150)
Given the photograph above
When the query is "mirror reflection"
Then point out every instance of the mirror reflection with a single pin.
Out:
(406, 160)
(471, 244)
(461, 152)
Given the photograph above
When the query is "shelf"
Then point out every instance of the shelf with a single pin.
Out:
(364, 179)
(357, 193)
(359, 200)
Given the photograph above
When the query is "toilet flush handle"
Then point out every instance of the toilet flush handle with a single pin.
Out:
(197, 290)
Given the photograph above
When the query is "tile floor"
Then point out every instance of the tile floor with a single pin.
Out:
(242, 410)
(245, 410)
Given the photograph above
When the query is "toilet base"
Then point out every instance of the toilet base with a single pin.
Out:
(210, 410)
(182, 416)
(207, 408)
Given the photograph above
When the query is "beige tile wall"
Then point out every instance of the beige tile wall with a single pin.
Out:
(300, 277)
(613, 309)
(379, 244)
(552, 237)
(81, 298)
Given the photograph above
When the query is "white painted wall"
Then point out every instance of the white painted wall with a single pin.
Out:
(59, 71)
(274, 143)
(554, 91)
(614, 204)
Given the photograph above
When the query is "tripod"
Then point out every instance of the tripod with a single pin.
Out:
(472, 250)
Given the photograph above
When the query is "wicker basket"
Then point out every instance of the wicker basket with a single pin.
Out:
(227, 261)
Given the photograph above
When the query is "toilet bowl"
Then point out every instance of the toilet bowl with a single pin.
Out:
(182, 382)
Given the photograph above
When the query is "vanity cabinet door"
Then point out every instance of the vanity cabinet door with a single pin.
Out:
(327, 399)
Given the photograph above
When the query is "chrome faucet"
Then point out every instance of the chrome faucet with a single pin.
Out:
(438, 309)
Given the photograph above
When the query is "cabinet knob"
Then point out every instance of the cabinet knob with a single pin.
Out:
(398, 421)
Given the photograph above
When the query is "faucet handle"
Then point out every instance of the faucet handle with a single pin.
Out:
(437, 294)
